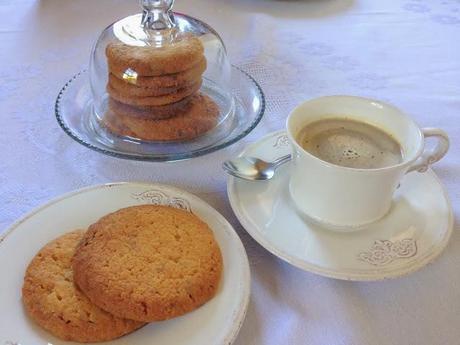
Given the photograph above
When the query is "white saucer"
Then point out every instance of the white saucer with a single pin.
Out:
(414, 233)
(216, 322)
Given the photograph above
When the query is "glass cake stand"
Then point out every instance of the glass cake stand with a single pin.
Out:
(73, 112)
(84, 102)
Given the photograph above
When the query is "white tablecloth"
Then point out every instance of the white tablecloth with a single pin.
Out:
(406, 52)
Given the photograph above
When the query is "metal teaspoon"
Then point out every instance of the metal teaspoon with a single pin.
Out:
(252, 169)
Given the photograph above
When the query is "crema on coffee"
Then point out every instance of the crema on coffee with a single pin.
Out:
(350, 143)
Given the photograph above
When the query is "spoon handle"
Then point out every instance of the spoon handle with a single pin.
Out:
(283, 159)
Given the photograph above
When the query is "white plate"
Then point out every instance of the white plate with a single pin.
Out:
(414, 233)
(216, 322)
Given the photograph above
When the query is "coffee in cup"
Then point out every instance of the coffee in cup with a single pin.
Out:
(349, 154)
(350, 143)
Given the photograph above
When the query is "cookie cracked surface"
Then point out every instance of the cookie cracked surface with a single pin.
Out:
(148, 263)
(53, 301)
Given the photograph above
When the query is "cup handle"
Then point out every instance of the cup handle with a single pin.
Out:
(430, 156)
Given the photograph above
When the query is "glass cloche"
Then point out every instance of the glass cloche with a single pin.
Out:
(160, 87)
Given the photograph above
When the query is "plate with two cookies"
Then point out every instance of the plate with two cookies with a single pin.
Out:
(123, 263)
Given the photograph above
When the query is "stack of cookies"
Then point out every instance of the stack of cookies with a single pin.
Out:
(136, 265)
(154, 91)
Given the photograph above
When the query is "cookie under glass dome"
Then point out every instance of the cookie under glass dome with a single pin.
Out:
(160, 87)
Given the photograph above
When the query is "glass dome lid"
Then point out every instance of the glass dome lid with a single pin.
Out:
(161, 87)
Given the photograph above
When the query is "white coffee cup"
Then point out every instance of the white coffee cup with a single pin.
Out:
(342, 198)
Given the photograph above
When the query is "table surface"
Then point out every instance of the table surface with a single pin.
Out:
(406, 52)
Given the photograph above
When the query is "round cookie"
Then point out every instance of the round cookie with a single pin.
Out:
(167, 80)
(200, 117)
(150, 112)
(127, 89)
(172, 97)
(148, 263)
(154, 61)
(53, 301)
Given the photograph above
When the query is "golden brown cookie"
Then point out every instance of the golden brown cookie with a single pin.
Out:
(131, 90)
(172, 97)
(148, 263)
(167, 80)
(56, 304)
(153, 61)
(200, 117)
(150, 112)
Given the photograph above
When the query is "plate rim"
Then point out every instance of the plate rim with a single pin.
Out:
(239, 317)
(135, 157)
(379, 275)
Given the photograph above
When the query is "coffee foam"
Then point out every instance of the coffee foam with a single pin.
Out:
(350, 143)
